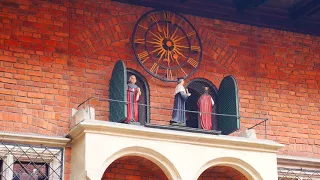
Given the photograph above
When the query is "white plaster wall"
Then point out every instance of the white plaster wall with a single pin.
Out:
(188, 159)
(78, 160)
(181, 155)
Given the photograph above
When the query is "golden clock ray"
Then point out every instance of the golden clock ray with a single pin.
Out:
(157, 49)
(178, 52)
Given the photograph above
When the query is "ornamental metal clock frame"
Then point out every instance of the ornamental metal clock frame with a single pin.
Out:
(166, 45)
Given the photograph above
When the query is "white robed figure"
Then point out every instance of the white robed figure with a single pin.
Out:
(180, 97)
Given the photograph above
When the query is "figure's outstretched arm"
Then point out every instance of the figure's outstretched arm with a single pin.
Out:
(184, 95)
(189, 94)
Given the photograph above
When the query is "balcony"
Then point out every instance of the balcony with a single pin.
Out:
(180, 154)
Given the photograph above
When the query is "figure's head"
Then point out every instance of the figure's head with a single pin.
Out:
(132, 79)
(181, 81)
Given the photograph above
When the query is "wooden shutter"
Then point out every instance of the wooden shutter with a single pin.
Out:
(118, 91)
(228, 103)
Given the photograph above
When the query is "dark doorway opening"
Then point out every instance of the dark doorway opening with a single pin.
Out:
(144, 109)
(196, 88)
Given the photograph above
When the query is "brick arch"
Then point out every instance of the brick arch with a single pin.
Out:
(219, 49)
(215, 49)
(158, 159)
(99, 35)
(92, 39)
(134, 167)
(237, 164)
(196, 88)
(222, 173)
(142, 83)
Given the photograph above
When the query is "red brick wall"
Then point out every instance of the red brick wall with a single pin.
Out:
(33, 70)
(54, 55)
(67, 163)
(133, 168)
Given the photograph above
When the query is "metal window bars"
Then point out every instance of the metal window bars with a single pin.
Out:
(257, 123)
(298, 174)
(29, 162)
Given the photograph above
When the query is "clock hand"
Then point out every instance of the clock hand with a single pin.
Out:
(174, 32)
(176, 59)
(155, 21)
(182, 46)
(176, 50)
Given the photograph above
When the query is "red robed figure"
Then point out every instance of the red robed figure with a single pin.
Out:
(133, 96)
(205, 104)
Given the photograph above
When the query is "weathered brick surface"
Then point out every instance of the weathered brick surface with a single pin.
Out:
(67, 163)
(54, 55)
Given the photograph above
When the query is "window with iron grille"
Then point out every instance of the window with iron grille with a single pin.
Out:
(298, 174)
(25, 170)
(28, 162)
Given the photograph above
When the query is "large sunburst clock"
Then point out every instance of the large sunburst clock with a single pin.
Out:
(166, 45)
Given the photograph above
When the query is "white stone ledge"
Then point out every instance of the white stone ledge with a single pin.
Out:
(133, 131)
(34, 139)
(298, 162)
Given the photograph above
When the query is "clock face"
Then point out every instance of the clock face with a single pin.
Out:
(166, 45)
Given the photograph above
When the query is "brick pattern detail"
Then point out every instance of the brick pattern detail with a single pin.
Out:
(67, 163)
(133, 168)
(33, 67)
(221, 173)
(55, 54)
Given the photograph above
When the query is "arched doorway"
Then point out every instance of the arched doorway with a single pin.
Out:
(222, 173)
(133, 167)
(196, 88)
(117, 92)
(143, 85)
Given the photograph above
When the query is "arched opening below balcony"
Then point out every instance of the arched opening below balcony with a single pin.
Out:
(133, 167)
(222, 173)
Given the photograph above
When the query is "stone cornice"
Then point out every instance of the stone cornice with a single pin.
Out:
(220, 141)
(34, 139)
(298, 162)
